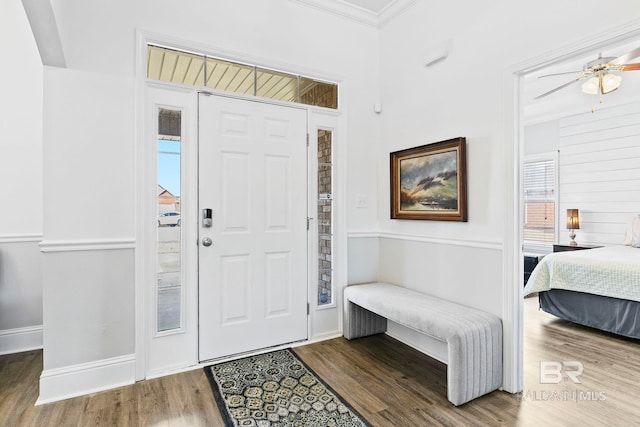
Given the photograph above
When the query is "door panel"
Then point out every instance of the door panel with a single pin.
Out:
(235, 207)
(253, 175)
(235, 289)
(276, 189)
(277, 284)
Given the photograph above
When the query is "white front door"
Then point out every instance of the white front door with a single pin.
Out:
(253, 178)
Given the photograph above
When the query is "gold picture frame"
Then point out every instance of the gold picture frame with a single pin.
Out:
(430, 182)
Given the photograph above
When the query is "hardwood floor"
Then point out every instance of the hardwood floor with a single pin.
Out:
(387, 382)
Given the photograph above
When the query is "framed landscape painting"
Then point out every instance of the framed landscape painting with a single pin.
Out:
(430, 182)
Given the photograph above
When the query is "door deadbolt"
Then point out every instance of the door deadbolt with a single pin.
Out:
(207, 241)
(207, 218)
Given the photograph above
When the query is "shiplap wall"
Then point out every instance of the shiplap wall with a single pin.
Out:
(600, 172)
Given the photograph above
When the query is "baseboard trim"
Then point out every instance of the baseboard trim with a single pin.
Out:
(20, 339)
(322, 337)
(79, 380)
(203, 364)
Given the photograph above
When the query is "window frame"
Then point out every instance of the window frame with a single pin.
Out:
(258, 77)
(533, 246)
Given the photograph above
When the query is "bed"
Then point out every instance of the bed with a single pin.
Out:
(599, 288)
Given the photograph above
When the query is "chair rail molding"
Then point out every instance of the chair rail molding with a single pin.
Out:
(478, 243)
(20, 238)
(48, 246)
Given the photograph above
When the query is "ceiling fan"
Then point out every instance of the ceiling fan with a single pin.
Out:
(600, 74)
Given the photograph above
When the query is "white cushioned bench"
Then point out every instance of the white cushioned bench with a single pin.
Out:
(474, 338)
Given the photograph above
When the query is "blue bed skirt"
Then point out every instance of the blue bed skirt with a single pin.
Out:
(613, 315)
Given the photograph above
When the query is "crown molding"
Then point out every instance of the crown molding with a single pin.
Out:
(393, 9)
(343, 9)
(359, 14)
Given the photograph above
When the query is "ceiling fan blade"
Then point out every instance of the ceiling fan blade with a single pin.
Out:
(626, 57)
(559, 87)
(560, 74)
(630, 67)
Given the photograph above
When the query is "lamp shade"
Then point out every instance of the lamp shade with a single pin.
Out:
(591, 86)
(609, 82)
(603, 83)
(573, 221)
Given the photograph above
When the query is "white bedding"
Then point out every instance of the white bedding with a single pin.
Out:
(612, 271)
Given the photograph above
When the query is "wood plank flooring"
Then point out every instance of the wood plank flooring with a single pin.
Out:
(387, 382)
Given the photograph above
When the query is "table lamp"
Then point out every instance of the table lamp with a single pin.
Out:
(573, 223)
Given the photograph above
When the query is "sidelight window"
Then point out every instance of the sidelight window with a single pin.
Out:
(169, 221)
(325, 217)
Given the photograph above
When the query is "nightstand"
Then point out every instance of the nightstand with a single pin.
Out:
(565, 248)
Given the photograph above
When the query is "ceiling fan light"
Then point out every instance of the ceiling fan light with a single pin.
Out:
(591, 86)
(610, 82)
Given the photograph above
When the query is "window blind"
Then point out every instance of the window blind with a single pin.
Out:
(539, 201)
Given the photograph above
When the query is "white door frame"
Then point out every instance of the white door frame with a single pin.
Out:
(167, 350)
(323, 322)
(180, 345)
(146, 180)
(326, 320)
(513, 155)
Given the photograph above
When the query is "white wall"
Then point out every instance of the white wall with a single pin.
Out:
(21, 125)
(599, 173)
(89, 153)
(363, 257)
(21, 183)
(597, 170)
(88, 232)
(464, 96)
(541, 138)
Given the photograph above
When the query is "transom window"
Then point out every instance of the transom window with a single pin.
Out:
(187, 68)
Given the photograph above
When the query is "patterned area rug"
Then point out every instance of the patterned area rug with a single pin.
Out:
(276, 390)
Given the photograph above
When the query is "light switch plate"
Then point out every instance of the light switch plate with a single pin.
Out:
(362, 201)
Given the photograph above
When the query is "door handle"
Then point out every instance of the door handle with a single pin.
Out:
(207, 242)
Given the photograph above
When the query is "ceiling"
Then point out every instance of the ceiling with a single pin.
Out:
(571, 100)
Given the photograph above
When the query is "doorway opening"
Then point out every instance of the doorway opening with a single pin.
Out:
(167, 338)
(528, 87)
